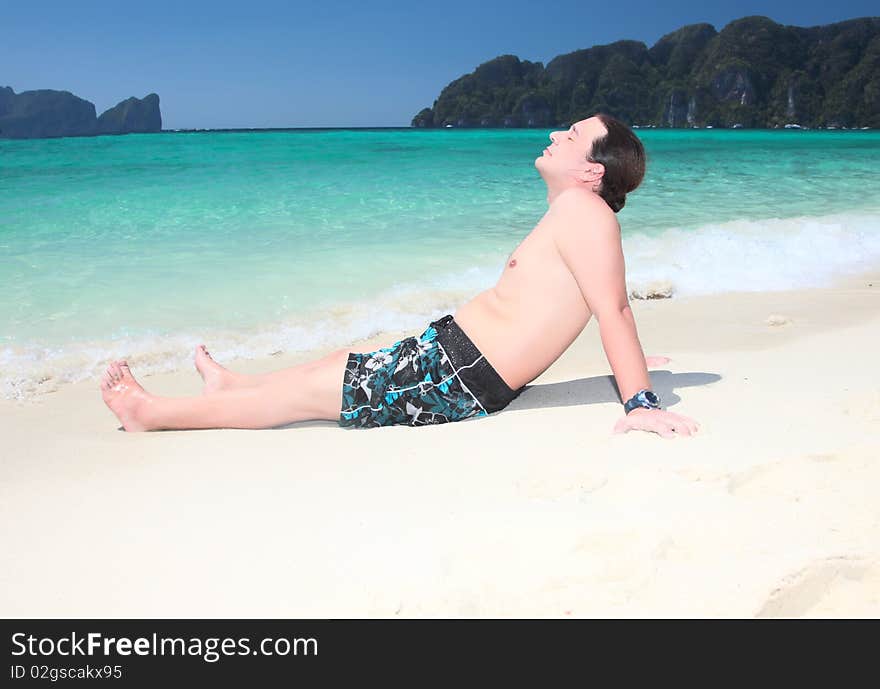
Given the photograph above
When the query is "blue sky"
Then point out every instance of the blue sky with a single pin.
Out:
(335, 63)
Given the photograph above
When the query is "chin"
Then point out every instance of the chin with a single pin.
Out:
(539, 166)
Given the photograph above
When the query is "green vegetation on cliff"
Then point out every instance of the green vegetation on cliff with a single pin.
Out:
(754, 73)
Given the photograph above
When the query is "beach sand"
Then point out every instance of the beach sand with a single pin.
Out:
(538, 511)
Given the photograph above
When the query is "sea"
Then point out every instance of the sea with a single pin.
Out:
(264, 242)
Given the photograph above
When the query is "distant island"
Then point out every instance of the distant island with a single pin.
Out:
(753, 73)
(46, 113)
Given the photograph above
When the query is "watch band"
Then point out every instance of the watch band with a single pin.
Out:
(642, 399)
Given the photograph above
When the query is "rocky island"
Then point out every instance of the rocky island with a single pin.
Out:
(753, 73)
(48, 113)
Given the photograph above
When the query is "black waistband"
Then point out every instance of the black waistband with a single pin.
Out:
(481, 379)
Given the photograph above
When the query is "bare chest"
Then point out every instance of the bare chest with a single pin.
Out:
(535, 260)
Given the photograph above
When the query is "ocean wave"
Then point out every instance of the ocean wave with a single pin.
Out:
(28, 370)
(754, 255)
(760, 255)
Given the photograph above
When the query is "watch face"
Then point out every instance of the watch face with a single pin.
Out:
(651, 397)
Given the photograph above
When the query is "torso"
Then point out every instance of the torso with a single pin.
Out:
(535, 311)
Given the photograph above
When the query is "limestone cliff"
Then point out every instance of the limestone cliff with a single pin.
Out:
(132, 115)
(48, 113)
(754, 73)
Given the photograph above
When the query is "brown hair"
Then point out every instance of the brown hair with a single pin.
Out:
(623, 155)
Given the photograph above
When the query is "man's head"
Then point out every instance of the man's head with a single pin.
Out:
(599, 154)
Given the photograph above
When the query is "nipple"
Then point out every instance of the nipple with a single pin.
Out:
(512, 263)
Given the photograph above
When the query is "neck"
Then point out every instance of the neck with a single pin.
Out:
(554, 192)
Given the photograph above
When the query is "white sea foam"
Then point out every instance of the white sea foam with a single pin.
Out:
(757, 255)
(30, 370)
(734, 256)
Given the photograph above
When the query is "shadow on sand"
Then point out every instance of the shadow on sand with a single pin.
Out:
(603, 389)
(584, 391)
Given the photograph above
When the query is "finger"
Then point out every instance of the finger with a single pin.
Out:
(621, 426)
(683, 422)
(677, 424)
(652, 361)
(664, 430)
(681, 429)
(693, 425)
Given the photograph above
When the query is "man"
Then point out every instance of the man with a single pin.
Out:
(567, 270)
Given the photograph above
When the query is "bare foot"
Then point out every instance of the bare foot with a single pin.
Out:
(653, 361)
(125, 396)
(216, 377)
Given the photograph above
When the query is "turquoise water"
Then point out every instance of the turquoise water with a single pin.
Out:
(257, 242)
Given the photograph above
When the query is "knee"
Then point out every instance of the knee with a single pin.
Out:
(333, 363)
(334, 359)
(325, 384)
(338, 358)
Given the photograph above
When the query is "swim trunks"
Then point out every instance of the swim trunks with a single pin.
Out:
(437, 377)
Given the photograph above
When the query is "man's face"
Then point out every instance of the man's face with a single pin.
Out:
(566, 156)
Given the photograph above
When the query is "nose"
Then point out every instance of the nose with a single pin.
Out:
(552, 134)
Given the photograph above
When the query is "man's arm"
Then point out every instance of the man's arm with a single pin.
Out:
(588, 238)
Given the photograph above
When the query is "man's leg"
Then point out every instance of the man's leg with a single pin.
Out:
(218, 377)
(308, 392)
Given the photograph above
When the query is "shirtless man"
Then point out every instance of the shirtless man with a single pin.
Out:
(567, 270)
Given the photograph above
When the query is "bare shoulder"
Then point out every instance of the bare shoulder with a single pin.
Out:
(577, 210)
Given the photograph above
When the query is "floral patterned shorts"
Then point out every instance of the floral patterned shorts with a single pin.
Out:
(437, 377)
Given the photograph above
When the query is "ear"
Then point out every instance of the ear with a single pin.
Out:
(593, 173)
(597, 171)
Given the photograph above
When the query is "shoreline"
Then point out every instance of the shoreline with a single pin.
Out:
(537, 510)
(742, 302)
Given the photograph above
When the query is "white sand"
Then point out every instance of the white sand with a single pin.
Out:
(771, 510)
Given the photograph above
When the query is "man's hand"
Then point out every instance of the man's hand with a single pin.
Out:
(658, 421)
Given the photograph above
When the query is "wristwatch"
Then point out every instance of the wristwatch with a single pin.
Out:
(643, 398)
